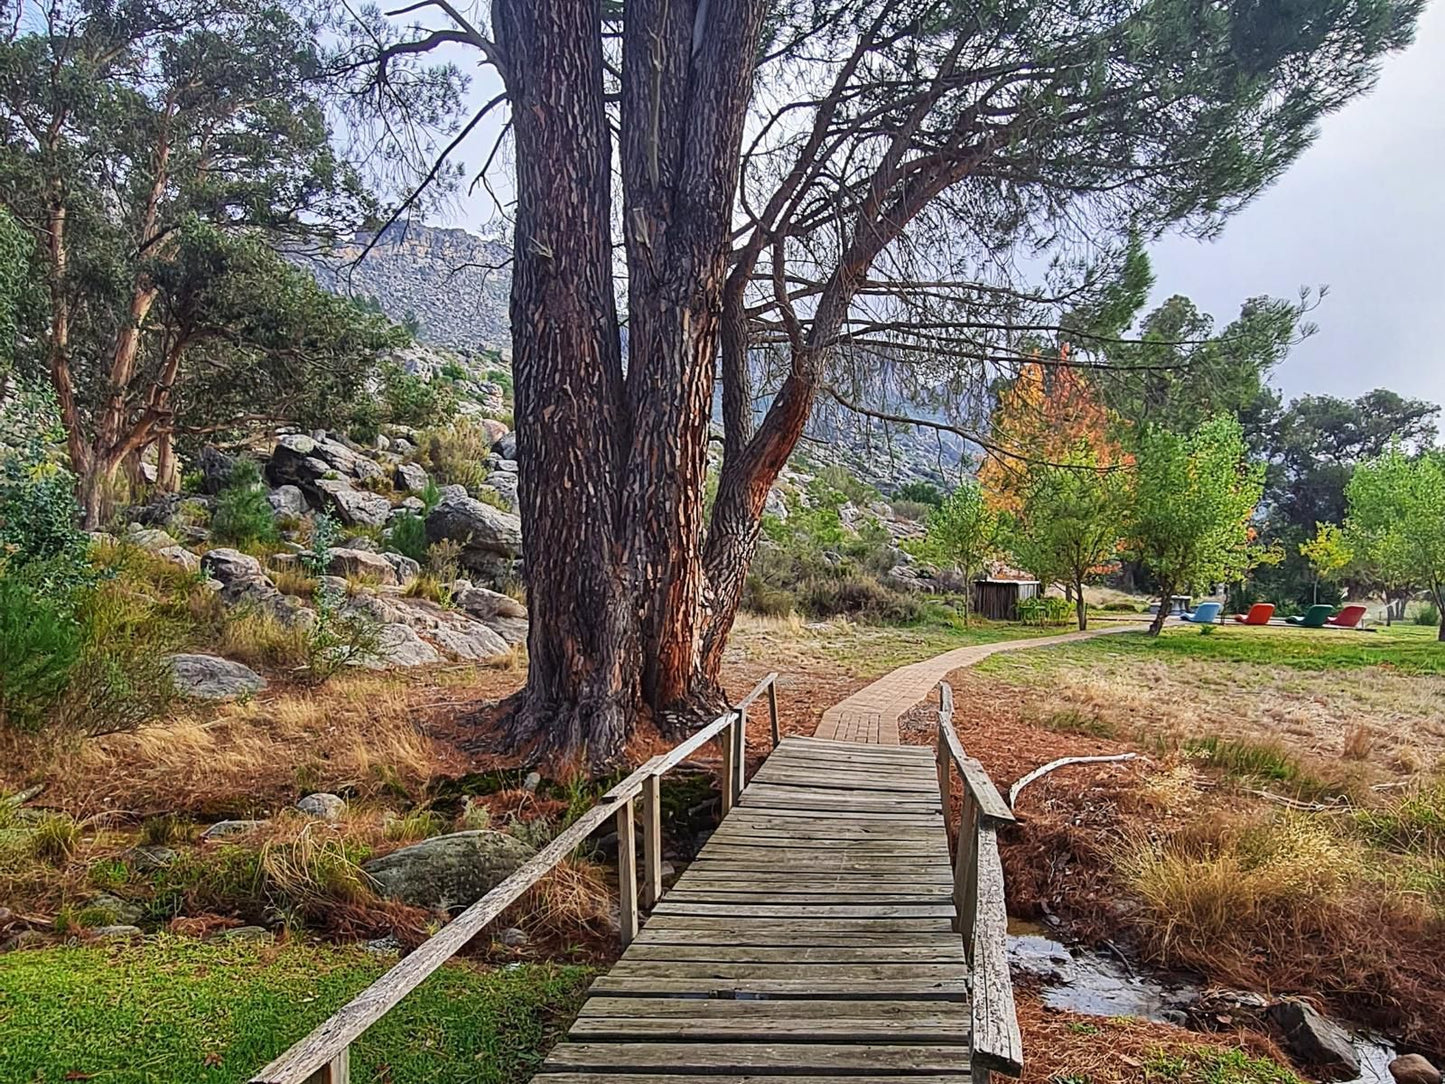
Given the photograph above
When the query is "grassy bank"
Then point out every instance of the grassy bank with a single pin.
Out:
(178, 1011)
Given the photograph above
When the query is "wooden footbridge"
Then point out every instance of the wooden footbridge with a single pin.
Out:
(827, 929)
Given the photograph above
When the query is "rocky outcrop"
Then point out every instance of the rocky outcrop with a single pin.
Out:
(228, 565)
(501, 613)
(322, 806)
(411, 477)
(448, 873)
(399, 646)
(456, 633)
(353, 507)
(210, 677)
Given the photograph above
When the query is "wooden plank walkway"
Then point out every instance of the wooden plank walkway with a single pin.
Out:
(871, 714)
(811, 939)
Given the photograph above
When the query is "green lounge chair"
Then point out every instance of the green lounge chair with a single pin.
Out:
(1313, 618)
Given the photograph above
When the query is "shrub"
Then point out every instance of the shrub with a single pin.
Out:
(919, 492)
(916, 511)
(840, 480)
(1426, 613)
(40, 642)
(453, 454)
(243, 514)
(1045, 610)
(407, 535)
(475, 816)
(760, 598)
(341, 636)
(407, 399)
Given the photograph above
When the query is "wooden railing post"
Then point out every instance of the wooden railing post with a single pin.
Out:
(729, 777)
(741, 754)
(337, 1072)
(627, 871)
(773, 710)
(651, 840)
(965, 871)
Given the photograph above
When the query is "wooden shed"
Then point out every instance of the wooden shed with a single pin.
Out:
(998, 599)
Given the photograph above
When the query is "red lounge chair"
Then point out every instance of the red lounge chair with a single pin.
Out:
(1347, 618)
(1259, 614)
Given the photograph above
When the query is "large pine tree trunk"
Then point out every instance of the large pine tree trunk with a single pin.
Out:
(582, 642)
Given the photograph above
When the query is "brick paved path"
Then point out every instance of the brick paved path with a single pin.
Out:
(871, 714)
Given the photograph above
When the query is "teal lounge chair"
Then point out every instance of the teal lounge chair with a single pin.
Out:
(1206, 613)
(1313, 618)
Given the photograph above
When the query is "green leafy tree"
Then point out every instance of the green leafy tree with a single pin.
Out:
(1396, 519)
(1069, 523)
(1193, 499)
(1329, 553)
(121, 127)
(963, 532)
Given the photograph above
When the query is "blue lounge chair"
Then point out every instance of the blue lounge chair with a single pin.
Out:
(1206, 613)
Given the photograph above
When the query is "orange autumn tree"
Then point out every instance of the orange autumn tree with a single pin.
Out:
(1057, 476)
(1047, 414)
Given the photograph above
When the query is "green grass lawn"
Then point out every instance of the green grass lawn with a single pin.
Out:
(1408, 648)
(178, 1011)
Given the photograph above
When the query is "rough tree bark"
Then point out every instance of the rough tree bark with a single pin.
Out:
(570, 394)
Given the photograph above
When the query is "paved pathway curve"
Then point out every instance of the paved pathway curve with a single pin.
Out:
(871, 714)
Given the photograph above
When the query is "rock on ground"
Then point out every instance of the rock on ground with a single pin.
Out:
(323, 806)
(448, 872)
(222, 829)
(227, 564)
(353, 507)
(399, 645)
(1414, 1069)
(411, 477)
(287, 500)
(478, 527)
(1316, 1042)
(210, 677)
(180, 557)
(350, 562)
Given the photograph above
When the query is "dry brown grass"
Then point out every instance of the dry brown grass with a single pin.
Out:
(1321, 717)
(259, 640)
(571, 905)
(1061, 1046)
(360, 730)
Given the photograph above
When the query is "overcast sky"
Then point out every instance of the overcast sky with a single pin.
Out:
(1362, 211)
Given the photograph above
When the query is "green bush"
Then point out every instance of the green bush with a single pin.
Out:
(40, 643)
(407, 535)
(1426, 613)
(407, 399)
(1045, 610)
(918, 492)
(837, 478)
(453, 454)
(243, 514)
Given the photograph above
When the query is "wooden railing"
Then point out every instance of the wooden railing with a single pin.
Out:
(324, 1056)
(978, 897)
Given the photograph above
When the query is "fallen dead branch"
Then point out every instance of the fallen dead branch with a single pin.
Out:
(1062, 762)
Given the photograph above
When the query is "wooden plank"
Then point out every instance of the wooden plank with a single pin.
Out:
(806, 910)
(895, 848)
(860, 816)
(802, 954)
(731, 1009)
(990, 801)
(805, 926)
(766, 685)
(933, 1030)
(806, 989)
(791, 899)
(998, 1046)
(765, 934)
(835, 745)
(937, 874)
(335, 1034)
(773, 708)
(711, 971)
(753, 1058)
(814, 884)
(958, 1077)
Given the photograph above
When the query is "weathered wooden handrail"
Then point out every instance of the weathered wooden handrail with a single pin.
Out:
(978, 897)
(324, 1056)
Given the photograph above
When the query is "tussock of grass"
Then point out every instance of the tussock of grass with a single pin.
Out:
(1244, 759)
(259, 639)
(413, 826)
(217, 1012)
(573, 897)
(55, 837)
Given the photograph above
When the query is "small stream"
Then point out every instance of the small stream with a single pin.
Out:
(1098, 983)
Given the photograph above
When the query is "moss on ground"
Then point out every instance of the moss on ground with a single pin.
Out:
(189, 1012)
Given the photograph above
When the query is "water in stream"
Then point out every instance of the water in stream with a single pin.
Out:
(1100, 984)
